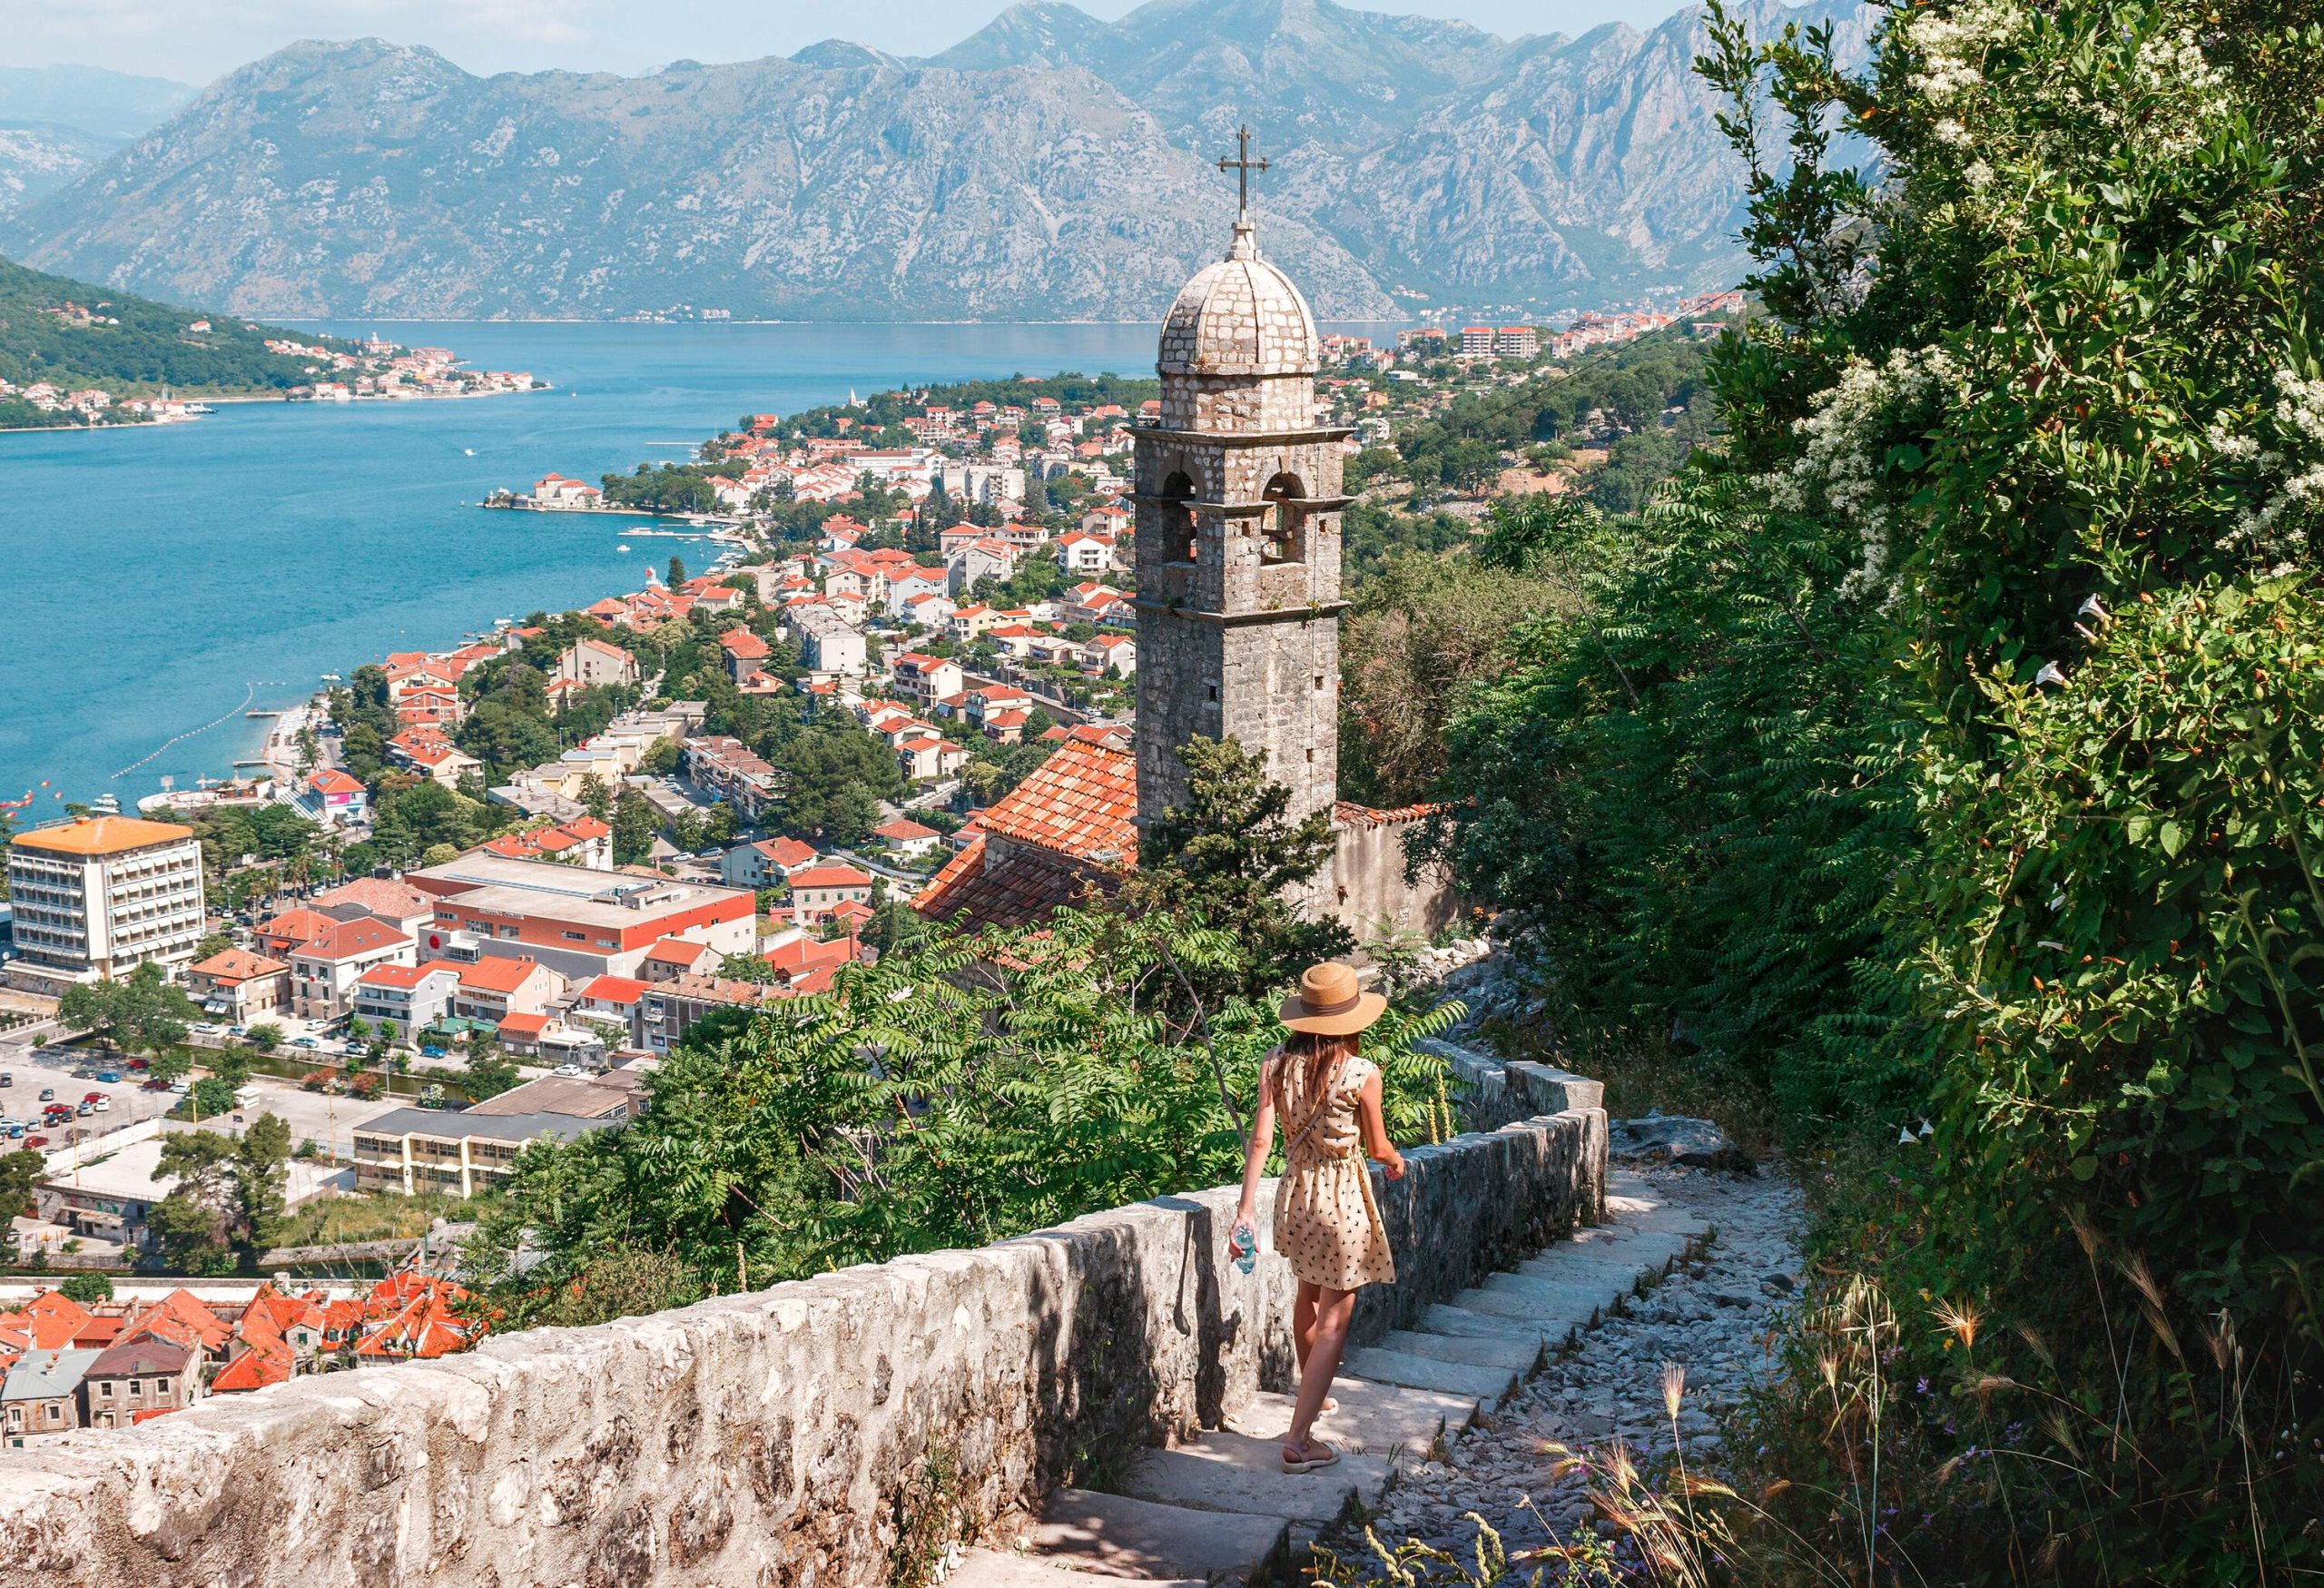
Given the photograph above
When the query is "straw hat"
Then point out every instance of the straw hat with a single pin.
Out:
(1329, 1003)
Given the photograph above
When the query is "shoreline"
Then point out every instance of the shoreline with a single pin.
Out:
(286, 401)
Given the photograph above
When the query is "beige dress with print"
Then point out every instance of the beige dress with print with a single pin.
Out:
(1325, 1221)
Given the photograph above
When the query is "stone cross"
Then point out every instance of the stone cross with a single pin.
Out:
(1242, 165)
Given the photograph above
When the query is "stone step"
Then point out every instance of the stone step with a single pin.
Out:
(1223, 1470)
(1388, 1367)
(1373, 1419)
(1113, 1537)
(986, 1568)
(1520, 1355)
(1456, 1318)
(1630, 1256)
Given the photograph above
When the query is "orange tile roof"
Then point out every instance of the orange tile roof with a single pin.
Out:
(1017, 887)
(101, 835)
(48, 1321)
(496, 973)
(1081, 803)
(524, 1025)
(237, 965)
(831, 876)
(254, 1369)
(615, 990)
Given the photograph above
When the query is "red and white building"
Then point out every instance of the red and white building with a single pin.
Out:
(579, 923)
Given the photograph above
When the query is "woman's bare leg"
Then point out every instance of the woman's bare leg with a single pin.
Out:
(1303, 1323)
(1333, 1309)
(1303, 1331)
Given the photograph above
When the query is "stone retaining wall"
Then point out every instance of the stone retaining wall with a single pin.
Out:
(768, 1439)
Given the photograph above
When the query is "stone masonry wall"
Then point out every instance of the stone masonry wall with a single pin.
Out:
(766, 1438)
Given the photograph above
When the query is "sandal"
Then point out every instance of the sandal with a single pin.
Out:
(1311, 1462)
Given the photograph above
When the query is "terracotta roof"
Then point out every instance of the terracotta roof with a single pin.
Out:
(1019, 887)
(831, 876)
(254, 1369)
(348, 939)
(677, 951)
(48, 1321)
(615, 989)
(903, 830)
(524, 1025)
(331, 781)
(1080, 802)
(1348, 813)
(101, 835)
(237, 965)
(786, 852)
(298, 926)
(496, 973)
(381, 896)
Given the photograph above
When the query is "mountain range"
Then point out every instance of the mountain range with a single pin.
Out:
(56, 122)
(1050, 166)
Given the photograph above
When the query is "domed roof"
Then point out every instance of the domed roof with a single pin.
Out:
(1241, 316)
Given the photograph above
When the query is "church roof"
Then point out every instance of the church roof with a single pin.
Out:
(1065, 829)
(1241, 316)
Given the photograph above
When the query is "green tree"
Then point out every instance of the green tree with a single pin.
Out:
(20, 1174)
(633, 824)
(677, 572)
(88, 1289)
(196, 1223)
(142, 1013)
(171, 1064)
(262, 1180)
(490, 1072)
(1231, 860)
(597, 796)
(265, 1036)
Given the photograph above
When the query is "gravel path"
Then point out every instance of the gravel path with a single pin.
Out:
(1711, 1316)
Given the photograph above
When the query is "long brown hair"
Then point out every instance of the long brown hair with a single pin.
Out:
(1317, 1053)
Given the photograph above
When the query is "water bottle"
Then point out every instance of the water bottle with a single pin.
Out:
(1244, 1244)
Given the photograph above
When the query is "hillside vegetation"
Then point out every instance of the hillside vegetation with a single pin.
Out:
(1940, 756)
(150, 347)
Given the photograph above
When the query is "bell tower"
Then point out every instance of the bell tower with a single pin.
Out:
(1236, 492)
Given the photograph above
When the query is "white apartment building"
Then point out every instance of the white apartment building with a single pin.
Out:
(96, 898)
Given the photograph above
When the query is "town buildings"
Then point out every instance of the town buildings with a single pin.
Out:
(410, 1151)
(97, 897)
(580, 923)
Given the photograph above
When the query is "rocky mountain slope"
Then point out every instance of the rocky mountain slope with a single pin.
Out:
(1052, 166)
(56, 122)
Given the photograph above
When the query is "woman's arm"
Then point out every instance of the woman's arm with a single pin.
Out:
(1255, 1156)
(1375, 1133)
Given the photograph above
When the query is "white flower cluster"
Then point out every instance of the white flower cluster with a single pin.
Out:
(1951, 44)
(2172, 68)
(1839, 468)
(2299, 420)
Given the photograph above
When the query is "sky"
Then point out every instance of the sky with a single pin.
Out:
(193, 41)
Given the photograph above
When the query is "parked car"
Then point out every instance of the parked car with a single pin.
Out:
(48, 1094)
(110, 1077)
(7, 1078)
(136, 1064)
(15, 1130)
(91, 1097)
(208, 1028)
(432, 1052)
(304, 1043)
(181, 1085)
(104, 1105)
(85, 1110)
(568, 1070)
(34, 1143)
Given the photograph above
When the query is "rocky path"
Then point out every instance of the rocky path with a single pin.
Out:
(1710, 1315)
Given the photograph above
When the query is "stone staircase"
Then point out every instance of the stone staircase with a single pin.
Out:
(1220, 1509)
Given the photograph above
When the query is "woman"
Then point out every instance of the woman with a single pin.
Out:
(1325, 1221)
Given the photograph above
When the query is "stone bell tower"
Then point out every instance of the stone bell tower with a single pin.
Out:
(1237, 499)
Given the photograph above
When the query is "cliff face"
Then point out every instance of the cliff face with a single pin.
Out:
(1050, 167)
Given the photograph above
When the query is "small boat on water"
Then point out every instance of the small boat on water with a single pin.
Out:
(467, 451)
(623, 547)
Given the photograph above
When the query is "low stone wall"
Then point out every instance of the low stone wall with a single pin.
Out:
(768, 1439)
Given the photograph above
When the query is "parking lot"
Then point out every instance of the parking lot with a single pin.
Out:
(71, 1073)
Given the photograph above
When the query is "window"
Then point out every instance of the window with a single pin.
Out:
(137, 1386)
(104, 1388)
(1178, 530)
(575, 937)
(1283, 528)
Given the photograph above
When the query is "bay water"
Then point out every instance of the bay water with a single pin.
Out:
(162, 581)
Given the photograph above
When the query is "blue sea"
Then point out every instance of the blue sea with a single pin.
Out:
(163, 580)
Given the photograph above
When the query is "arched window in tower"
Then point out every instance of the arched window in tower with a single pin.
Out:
(1282, 530)
(1178, 533)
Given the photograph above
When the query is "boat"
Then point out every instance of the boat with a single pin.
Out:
(623, 547)
(106, 805)
(467, 451)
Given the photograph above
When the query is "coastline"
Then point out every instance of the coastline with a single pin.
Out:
(257, 397)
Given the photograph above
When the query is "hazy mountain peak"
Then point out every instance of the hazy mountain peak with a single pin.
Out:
(1058, 167)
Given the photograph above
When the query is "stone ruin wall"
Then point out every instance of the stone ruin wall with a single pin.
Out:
(769, 1438)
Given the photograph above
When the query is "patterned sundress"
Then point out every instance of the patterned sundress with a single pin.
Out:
(1325, 1222)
